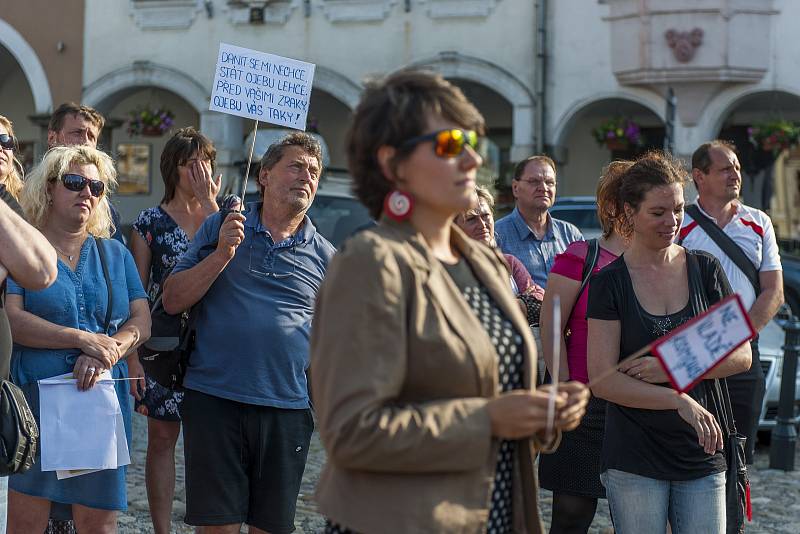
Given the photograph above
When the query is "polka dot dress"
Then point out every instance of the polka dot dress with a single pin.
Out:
(508, 344)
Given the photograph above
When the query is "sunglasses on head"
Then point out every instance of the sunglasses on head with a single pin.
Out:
(8, 142)
(447, 143)
(77, 183)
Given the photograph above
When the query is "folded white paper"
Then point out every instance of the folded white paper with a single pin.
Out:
(81, 430)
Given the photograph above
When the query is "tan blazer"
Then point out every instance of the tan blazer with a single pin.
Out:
(401, 372)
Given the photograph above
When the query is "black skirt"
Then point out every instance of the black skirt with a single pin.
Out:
(574, 468)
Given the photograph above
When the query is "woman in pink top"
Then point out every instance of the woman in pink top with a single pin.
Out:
(572, 472)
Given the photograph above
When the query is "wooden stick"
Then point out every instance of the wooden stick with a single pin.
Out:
(249, 161)
(638, 354)
(551, 402)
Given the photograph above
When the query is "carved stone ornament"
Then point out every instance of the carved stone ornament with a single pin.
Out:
(684, 44)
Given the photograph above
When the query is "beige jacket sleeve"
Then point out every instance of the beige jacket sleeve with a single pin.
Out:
(359, 351)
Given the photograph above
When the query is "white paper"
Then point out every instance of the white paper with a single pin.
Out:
(123, 455)
(263, 87)
(81, 430)
(689, 353)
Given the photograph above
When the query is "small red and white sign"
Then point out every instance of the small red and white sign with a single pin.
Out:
(697, 346)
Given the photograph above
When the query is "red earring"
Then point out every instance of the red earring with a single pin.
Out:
(398, 205)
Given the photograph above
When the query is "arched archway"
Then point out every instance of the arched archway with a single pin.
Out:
(457, 66)
(12, 40)
(580, 156)
(109, 89)
(769, 178)
(337, 85)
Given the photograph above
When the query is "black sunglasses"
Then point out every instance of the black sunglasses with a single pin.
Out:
(77, 183)
(8, 142)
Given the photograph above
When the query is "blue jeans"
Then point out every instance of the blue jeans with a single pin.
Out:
(640, 504)
(3, 503)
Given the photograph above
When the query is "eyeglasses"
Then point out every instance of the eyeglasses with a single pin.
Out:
(77, 183)
(447, 143)
(550, 184)
(272, 258)
(8, 142)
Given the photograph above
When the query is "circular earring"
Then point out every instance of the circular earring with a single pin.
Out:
(398, 205)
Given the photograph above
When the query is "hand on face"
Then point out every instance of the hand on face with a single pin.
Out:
(203, 184)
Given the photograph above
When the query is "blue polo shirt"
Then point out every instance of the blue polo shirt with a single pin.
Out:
(254, 322)
(514, 236)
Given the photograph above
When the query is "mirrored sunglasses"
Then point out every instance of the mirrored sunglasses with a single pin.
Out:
(8, 142)
(446, 143)
(77, 183)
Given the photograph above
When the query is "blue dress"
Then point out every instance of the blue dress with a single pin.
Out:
(78, 300)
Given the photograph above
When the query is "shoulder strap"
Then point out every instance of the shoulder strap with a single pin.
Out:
(104, 263)
(728, 246)
(589, 263)
(700, 302)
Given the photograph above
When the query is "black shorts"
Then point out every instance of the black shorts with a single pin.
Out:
(244, 463)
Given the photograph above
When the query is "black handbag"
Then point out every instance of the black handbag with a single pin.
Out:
(19, 433)
(737, 484)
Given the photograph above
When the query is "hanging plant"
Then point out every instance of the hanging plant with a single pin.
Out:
(150, 122)
(619, 133)
(774, 136)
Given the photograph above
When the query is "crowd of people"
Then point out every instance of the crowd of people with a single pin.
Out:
(415, 348)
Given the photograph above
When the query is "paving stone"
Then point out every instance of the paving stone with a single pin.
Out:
(775, 494)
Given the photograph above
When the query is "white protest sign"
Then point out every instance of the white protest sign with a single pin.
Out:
(261, 86)
(691, 350)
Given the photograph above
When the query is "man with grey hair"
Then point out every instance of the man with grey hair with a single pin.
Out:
(246, 414)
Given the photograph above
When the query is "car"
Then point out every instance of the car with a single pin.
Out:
(335, 212)
(582, 212)
(770, 345)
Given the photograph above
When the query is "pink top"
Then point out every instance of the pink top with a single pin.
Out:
(570, 265)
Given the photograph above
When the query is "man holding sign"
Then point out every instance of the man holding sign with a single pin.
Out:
(246, 415)
(662, 458)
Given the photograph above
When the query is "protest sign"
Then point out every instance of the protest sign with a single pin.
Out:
(263, 87)
(697, 346)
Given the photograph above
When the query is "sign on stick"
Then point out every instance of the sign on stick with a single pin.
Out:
(261, 86)
(693, 349)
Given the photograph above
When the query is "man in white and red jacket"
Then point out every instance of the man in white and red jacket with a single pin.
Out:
(717, 175)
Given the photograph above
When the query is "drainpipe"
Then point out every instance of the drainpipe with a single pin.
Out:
(540, 74)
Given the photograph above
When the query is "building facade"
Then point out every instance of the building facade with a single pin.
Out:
(545, 74)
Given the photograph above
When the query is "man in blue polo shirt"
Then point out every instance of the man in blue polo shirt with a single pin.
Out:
(246, 415)
(529, 232)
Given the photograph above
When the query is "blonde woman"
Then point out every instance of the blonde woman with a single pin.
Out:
(62, 328)
(10, 167)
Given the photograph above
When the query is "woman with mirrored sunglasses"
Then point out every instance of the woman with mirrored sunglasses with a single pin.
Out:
(160, 236)
(10, 167)
(422, 377)
(69, 328)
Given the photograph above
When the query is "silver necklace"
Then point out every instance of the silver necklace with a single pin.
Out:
(68, 256)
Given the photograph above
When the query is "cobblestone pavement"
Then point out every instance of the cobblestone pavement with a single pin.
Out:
(775, 494)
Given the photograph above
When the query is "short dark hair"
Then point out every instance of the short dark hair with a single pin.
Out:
(520, 168)
(71, 108)
(177, 151)
(391, 111)
(276, 150)
(701, 159)
(627, 182)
